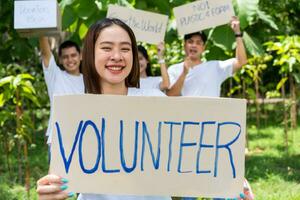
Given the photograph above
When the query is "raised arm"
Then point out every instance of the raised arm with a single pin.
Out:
(240, 52)
(165, 83)
(45, 50)
(175, 90)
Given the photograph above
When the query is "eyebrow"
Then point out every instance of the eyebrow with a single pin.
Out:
(107, 42)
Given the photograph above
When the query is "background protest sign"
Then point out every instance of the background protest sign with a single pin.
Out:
(37, 17)
(202, 14)
(183, 146)
(147, 26)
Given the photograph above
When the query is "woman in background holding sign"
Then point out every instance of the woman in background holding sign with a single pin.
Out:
(110, 66)
(148, 81)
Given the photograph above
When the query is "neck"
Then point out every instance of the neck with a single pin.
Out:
(196, 61)
(74, 73)
(115, 89)
(143, 74)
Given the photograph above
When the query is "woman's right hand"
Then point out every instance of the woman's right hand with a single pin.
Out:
(160, 50)
(52, 187)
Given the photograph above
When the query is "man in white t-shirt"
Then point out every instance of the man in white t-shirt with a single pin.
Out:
(196, 78)
(58, 81)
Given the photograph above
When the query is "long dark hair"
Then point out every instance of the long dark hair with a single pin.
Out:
(144, 52)
(90, 75)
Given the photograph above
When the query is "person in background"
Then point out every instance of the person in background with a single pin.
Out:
(148, 81)
(196, 78)
(59, 81)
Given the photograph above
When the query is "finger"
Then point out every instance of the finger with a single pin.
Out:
(48, 179)
(57, 196)
(48, 189)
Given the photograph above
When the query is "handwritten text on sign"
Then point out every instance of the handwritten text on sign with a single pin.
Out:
(147, 26)
(202, 14)
(35, 14)
(142, 145)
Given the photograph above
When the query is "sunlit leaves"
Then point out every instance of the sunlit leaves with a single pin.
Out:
(267, 19)
(223, 37)
(253, 45)
(247, 9)
(68, 17)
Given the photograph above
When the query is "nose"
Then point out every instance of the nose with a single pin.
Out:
(193, 44)
(116, 56)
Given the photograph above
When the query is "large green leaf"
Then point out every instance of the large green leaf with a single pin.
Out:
(2, 100)
(281, 83)
(247, 10)
(267, 18)
(32, 98)
(6, 80)
(223, 37)
(85, 8)
(65, 3)
(82, 30)
(27, 85)
(25, 76)
(68, 17)
(253, 45)
(215, 53)
(141, 5)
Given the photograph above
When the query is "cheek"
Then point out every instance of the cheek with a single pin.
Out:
(142, 63)
(99, 63)
(129, 59)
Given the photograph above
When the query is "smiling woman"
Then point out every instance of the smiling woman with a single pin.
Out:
(110, 66)
(111, 60)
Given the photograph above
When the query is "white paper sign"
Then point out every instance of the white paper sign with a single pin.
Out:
(163, 146)
(35, 14)
(147, 26)
(202, 14)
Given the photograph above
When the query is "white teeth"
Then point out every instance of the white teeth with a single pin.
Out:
(114, 68)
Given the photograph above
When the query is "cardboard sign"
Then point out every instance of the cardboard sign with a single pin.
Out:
(164, 146)
(37, 17)
(202, 14)
(147, 26)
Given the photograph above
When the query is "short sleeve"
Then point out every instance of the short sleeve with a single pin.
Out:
(225, 69)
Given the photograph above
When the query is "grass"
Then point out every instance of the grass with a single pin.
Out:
(273, 172)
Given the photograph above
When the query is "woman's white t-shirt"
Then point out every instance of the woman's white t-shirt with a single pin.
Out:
(151, 82)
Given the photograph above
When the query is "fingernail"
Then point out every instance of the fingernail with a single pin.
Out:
(242, 195)
(64, 180)
(63, 187)
(71, 194)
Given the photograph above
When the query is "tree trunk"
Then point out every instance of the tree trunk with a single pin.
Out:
(18, 131)
(27, 170)
(257, 95)
(285, 119)
(293, 108)
(244, 96)
(6, 144)
(20, 163)
(230, 87)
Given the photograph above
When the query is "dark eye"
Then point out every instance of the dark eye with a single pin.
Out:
(125, 49)
(106, 48)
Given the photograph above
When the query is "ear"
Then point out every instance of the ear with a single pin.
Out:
(80, 55)
(60, 60)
